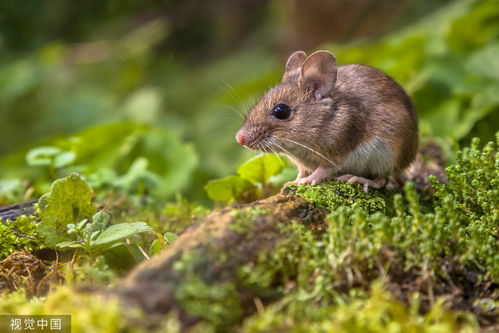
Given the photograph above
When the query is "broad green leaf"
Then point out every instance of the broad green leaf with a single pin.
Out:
(68, 202)
(99, 223)
(121, 231)
(42, 155)
(261, 168)
(228, 188)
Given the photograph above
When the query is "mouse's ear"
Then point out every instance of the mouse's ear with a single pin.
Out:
(293, 65)
(319, 72)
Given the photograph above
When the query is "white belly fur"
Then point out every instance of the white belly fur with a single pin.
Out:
(370, 159)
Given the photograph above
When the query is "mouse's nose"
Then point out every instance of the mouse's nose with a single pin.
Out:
(241, 137)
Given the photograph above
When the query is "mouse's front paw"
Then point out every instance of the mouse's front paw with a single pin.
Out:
(319, 175)
(294, 182)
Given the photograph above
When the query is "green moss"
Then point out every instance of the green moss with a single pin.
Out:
(88, 312)
(216, 303)
(377, 312)
(18, 235)
(331, 195)
(469, 203)
(180, 214)
(244, 218)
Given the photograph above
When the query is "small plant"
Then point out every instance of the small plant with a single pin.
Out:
(69, 220)
(51, 157)
(254, 180)
(96, 236)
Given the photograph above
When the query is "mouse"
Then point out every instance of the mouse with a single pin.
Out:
(352, 123)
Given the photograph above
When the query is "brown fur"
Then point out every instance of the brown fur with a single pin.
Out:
(336, 111)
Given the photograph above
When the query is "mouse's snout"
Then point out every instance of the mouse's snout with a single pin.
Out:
(241, 137)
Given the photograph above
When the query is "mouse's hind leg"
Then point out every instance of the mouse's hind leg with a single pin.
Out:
(366, 183)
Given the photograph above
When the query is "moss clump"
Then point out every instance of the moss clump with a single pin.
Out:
(375, 312)
(331, 195)
(18, 235)
(469, 204)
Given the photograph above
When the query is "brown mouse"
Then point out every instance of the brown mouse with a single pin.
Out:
(353, 123)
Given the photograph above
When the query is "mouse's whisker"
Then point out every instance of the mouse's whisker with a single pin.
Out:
(228, 88)
(312, 150)
(271, 147)
(275, 145)
(238, 112)
(278, 145)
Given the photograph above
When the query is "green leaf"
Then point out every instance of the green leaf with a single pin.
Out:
(68, 202)
(228, 188)
(121, 231)
(170, 237)
(156, 247)
(42, 155)
(64, 159)
(49, 155)
(261, 168)
(99, 223)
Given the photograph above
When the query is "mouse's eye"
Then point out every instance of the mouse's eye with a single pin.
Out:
(281, 111)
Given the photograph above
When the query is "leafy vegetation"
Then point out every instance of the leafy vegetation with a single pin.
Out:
(118, 121)
(254, 180)
(96, 237)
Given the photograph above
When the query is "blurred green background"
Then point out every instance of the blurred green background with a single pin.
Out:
(144, 97)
